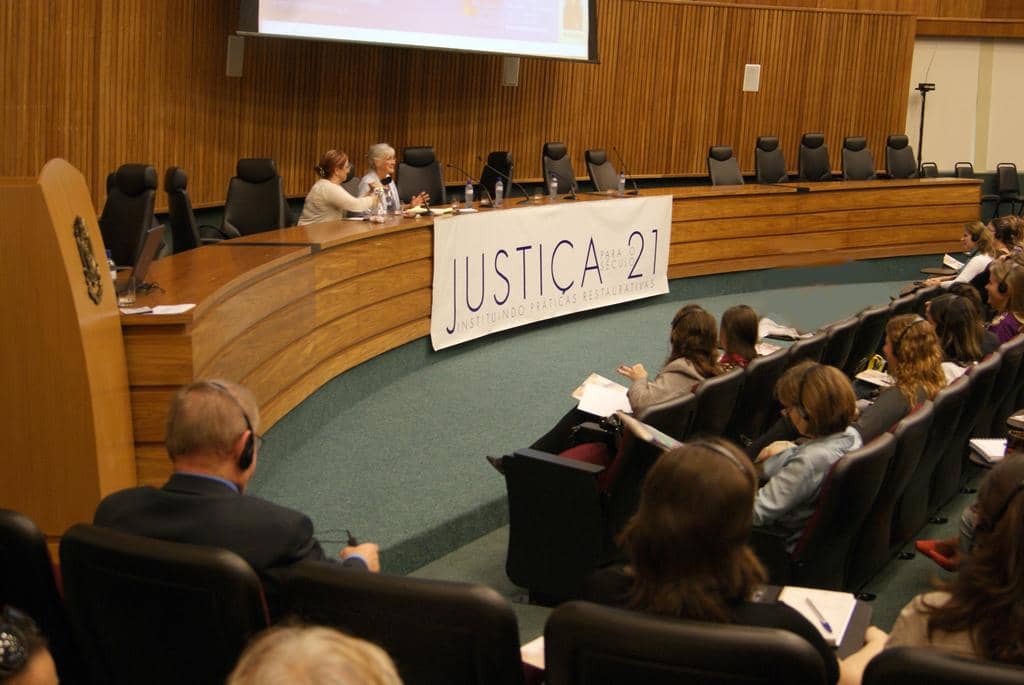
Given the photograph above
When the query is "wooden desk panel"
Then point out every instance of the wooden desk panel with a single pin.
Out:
(285, 311)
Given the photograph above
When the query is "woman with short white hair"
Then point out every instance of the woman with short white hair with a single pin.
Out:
(382, 166)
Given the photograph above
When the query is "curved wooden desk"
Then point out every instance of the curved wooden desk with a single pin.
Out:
(285, 311)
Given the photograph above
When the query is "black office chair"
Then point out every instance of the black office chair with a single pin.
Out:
(808, 349)
(963, 170)
(420, 172)
(502, 162)
(822, 554)
(716, 399)
(858, 164)
(149, 611)
(255, 201)
(756, 407)
(435, 631)
(874, 545)
(27, 583)
(866, 340)
(561, 525)
(899, 158)
(588, 644)
(602, 172)
(769, 163)
(905, 665)
(555, 162)
(840, 340)
(911, 512)
(128, 211)
(1008, 187)
(186, 234)
(929, 170)
(813, 162)
(723, 168)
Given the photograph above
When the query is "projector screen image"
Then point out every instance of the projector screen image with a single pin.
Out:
(563, 29)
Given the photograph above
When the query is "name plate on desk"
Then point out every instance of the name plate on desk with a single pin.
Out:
(505, 268)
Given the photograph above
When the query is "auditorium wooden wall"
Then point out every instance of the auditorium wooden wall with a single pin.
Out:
(104, 83)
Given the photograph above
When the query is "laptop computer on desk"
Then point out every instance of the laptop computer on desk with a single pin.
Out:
(150, 248)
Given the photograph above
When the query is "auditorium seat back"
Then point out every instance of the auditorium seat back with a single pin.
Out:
(899, 158)
(28, 584)
(814, 164)
(867, 338)
(149, 611)
(437, 632)
(858, 164)
(903, 665)
(840, 340)
(556, 162)
(756, 405)
(769, 162)
(255, 201)
(128, 211)
(602, 172)
(420, 172)
(502, 162)
(1008, 386)
(716, 399)
(808, 349)
(723, 168)
(588, 644)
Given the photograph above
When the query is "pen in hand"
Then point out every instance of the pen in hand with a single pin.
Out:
(352, 542)
(821, 619)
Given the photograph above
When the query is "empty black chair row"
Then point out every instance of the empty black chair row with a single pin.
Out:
(813, 159)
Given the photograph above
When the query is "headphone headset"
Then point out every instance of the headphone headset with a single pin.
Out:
(990, 526)
(721, 450)
(903, 333)
(248, 453)
(1002, 287)
(14, 641)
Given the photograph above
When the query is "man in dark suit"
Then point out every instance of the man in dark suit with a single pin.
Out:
(213, 445)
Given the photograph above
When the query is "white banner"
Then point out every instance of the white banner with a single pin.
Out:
(505, 268)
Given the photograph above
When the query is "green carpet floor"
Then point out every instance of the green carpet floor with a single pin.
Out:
(393, 449)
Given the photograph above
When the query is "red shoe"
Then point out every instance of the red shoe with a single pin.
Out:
(941, 552)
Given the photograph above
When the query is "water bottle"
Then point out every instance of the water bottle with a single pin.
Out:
(469, 194)
(553, 189)
(622, 184)
(380, 212)
(111, 266)
(499, 193)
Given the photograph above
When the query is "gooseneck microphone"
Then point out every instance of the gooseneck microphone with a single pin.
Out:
(571, 195)
(472, 180)
(622, 166)
(527, 200)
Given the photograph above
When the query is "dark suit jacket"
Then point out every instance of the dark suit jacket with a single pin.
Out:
(201, 511)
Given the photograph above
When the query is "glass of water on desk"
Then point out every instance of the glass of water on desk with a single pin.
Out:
(126, 292)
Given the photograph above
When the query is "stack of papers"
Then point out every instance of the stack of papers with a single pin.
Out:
(160, 309)
(952, 262)
(828, 611)
(767, 328)
(879, 378)
(992, 450)
(601, 397)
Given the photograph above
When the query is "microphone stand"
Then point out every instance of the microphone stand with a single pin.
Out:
(622, 165)
(472, 181)
(571, 195)
(527, 200)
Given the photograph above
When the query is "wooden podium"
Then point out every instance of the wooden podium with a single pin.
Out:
(65, 415)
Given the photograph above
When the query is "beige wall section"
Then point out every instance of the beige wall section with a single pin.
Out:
(1005, 139)
(973, 115)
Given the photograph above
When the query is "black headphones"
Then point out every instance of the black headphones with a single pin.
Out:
(14, 641)
(1002, 287)
(903, 333)
(249, 449)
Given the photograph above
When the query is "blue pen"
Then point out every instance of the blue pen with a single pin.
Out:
(821, 619)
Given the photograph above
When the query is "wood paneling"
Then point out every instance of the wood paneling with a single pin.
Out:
(970, 9)
(105, 83)
(971, 28)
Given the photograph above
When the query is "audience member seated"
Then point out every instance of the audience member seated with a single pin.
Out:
(693, 342)
(1007, 233)
(688, 564)
(979, 243)
(738, 336)
(977, 613)
(24, 657)
(312, 655)
(327, 200)
(914, 360)
(382, 166)
(820, 403)
(213, 444)
(960, 332)
(1006, 297)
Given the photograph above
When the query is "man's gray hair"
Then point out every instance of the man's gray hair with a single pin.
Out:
(209, 416)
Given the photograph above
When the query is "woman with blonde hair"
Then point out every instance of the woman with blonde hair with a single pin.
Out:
(914, 360)
(979, 242)
(1006, 296)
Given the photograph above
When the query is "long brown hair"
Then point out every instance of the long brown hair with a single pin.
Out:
(958, 327)
(917, 357)
(982, 238)
(739, 331)
(695, 337)
(822, 394)
(988, 593)
(687, 541)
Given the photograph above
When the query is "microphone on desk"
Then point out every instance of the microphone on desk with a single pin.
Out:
(527, 200)
(470, 178)
(571, 195)
(625, 172)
